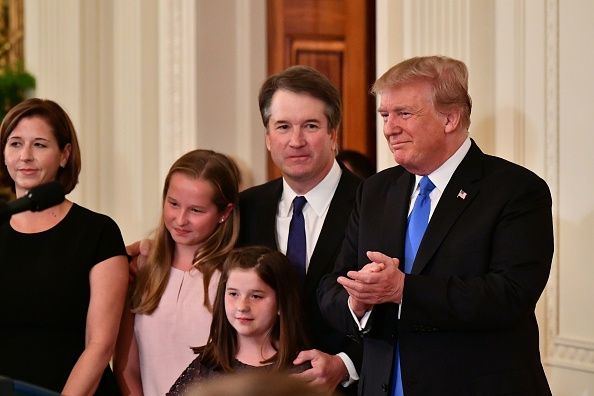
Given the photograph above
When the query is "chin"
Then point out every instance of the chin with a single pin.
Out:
(297, 174)
(399, 160)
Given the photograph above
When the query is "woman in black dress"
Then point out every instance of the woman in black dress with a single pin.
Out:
(63, 270)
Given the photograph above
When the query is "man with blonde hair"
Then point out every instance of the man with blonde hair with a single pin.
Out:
(445, 255)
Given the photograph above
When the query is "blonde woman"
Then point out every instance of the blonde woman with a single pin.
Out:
(171, 299)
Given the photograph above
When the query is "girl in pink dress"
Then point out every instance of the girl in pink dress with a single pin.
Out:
(171, 299)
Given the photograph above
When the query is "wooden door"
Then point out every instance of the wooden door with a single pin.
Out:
(337, 37)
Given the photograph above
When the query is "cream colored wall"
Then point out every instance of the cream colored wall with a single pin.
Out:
(572, 344)
(146, 80)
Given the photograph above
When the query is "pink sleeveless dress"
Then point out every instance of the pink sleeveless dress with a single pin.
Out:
(181, 321)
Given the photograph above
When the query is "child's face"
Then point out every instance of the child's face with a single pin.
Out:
(250, 305)
(188, 211)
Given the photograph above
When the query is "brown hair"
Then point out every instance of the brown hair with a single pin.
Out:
(448, 77)
(222, 173)
(61, 127)
(302, 80)
(287, 334)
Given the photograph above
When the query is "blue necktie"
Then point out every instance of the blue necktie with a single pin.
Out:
(296, 249)
(417, 224)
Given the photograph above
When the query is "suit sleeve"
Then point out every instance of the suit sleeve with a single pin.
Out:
(332, 297)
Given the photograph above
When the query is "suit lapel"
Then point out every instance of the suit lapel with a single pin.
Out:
(461, 190)
(395, 215)
(268, 208)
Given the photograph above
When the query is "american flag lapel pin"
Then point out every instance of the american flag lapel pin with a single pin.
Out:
(461, 194)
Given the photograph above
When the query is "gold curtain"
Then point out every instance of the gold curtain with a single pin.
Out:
(11, 62)
(11, 34)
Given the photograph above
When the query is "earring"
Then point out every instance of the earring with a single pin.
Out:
(222, 220)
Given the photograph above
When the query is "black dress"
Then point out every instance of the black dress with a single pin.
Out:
(45, 293)
(197, 372)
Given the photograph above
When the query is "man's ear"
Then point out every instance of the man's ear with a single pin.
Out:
(333, 132)
(267, 139)
(452, 119)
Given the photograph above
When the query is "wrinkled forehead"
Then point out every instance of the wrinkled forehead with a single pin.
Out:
(405, 94)
(297, 106)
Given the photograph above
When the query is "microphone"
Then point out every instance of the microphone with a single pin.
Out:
(37, 199)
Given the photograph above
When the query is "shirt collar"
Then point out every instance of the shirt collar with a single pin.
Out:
(318, 197)
(442, 175)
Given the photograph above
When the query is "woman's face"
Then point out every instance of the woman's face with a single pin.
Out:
(189, 213)
(32, 154)
(250, 305)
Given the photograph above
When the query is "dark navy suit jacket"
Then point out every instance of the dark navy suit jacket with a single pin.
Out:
(467, 324)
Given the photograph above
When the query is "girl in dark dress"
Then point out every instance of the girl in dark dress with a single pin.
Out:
(255, 319)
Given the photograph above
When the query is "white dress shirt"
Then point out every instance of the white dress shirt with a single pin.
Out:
(314, 211)
(314, 214)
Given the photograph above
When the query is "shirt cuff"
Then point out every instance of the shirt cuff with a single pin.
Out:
(353, 375)
(361, 323)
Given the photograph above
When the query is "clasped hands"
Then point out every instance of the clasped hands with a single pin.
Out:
(379, 281)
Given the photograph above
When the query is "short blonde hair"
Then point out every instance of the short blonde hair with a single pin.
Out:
(447, 76)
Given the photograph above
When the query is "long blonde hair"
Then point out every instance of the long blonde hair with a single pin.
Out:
(223, 174)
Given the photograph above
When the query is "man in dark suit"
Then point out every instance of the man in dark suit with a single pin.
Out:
(446, 310)
(301, 112)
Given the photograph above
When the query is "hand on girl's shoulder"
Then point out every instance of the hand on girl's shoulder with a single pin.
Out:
(137, 255)
(299, 368)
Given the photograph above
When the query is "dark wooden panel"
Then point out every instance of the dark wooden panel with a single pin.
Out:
(336, 37)
(327, 57)
(315, 18)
